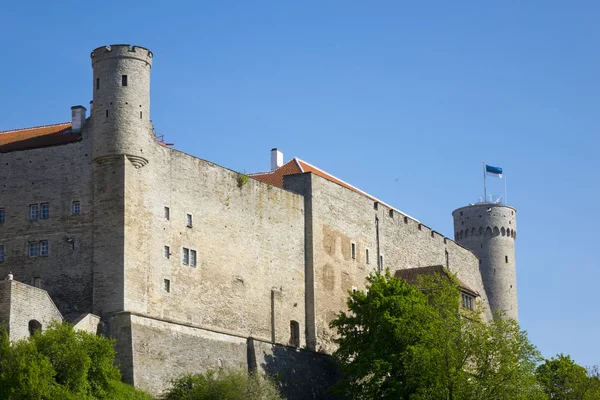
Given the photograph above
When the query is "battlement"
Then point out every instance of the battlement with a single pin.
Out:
(121, 51)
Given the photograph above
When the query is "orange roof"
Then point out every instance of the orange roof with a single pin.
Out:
(297, 166)
(39, 136)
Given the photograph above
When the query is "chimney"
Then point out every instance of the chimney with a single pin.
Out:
(77, 118)
(276, 159)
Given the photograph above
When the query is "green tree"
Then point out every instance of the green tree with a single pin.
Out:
(61, 363)
(404, 342)
(223, 385)
(562, 379)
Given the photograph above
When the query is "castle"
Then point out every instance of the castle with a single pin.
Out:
(191, 266)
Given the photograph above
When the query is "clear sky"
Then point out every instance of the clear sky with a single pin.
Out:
(401, 100)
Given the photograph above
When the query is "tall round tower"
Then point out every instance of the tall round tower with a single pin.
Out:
(490, 230)
(121, 103)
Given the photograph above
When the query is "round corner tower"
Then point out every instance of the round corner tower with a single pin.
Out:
(121, 103)
(490, 230)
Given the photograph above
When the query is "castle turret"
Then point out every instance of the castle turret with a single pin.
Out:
(490, 230)
(121, 112)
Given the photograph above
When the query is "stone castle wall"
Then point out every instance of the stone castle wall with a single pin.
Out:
(57, 176)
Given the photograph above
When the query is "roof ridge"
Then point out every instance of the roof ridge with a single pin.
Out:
(34, 127)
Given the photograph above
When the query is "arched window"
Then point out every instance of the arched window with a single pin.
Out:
(34, 326)
(473, 232)
(496, 231)
(508, 232)
(480, 230)
(466, 233)
(503, 231)
(488, 231)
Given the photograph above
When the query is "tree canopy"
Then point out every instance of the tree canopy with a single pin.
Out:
(399, 341)
(61, 363)
(562, 379)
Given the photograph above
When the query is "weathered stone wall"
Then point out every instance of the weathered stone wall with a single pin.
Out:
(249, 243)
(26, 303)
(56, 175)
(187, 349)
(341, 219)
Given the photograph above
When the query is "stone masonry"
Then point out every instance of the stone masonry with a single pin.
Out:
(191, 266)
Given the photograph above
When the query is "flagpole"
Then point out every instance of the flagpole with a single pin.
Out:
(505, 192)
(484, 185)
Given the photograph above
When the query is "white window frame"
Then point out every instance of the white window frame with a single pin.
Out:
(75, 207)
(185, 256)
(44, 207)
(34, 212)
(193, 258)
(32, 249)
(44, 249)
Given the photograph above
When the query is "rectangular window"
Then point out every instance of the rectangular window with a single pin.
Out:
(97, 83)
(506, 259)
(37, 282)
(76, 208)
(44, 248)
(124, 80)
(44, 210)
(367, 255)
(391, 213)
(2, 215)
(186, 256)
(193, 258)
(167, 285)
(34, 211)
(381, 262)
(189, 220)
(167, 213)
(294, 333)
(167, 252)
(467, 301)
(354, 251)
(32, 249)
(2, 252)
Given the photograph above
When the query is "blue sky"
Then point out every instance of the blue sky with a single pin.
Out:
(402, 100)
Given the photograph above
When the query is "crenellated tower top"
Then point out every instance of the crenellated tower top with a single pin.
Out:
(121, 51)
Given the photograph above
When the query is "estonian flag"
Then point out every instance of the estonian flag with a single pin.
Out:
(493, 171)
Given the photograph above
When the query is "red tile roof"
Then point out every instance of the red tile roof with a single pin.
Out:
(297, 166)
(39, 136)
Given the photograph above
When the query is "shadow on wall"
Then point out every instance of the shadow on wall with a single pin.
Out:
(301, 374)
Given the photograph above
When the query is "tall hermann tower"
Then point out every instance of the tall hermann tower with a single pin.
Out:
(490, 230)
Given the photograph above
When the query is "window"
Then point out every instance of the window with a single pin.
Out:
(391, 213)
(44, 211)
(381, 262)
(506, 259)
(294, 333)
(467, 301)
(106, 113)
(189, 220)
(2, 215)
(167, 213)
(376, 205)
(37, 282)
(34, 211)
(167, 285)
(44, 248)
(354, 251)
(123, 80)
(2, 252)
(76, 208)
(186, 256)
(32, 249)
(193, 258)
(167, 252)
(367, 256)
(34, 326)
(97, 83)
